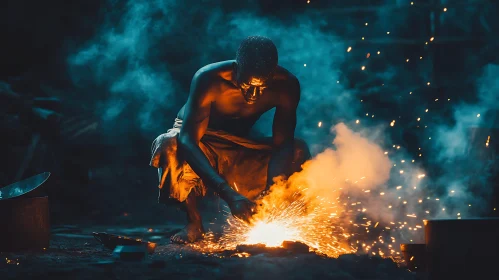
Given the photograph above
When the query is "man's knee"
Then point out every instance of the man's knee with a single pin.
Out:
(302, 152)
(164, 141)
(161, 147)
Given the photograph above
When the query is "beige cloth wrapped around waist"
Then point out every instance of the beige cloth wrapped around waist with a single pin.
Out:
(240, 161)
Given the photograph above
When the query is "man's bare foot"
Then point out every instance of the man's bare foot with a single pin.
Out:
(192, 232)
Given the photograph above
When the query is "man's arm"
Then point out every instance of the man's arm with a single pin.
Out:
(195, 123)
(283, 131)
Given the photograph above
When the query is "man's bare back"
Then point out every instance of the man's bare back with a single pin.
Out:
(229, 111)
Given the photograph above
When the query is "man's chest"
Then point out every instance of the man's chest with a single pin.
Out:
(231, 104)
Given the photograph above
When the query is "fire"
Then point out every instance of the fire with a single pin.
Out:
(272, 234)
(311, 220)
(340, 203)
(331, 228)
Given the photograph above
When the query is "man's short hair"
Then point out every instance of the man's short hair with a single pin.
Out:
(257, 55)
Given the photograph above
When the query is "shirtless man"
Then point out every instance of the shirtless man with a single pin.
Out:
(211, 145)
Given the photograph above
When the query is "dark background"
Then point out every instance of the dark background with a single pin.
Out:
(121, 70)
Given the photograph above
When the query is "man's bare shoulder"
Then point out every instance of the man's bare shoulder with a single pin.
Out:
(212, 79)
(222, 69)
(284, 75)
(288, 86)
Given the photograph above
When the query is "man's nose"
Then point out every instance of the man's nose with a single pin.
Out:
(254, 92)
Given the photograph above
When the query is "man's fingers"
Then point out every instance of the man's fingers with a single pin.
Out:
(244, 215)
(253, 207)
(247, 217)
(244, 210)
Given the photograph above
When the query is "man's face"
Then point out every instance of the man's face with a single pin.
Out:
(252, 86)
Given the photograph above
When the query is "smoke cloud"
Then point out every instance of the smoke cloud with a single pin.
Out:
(133, 61)
(465, 152)
(120, 60)
(145, 54)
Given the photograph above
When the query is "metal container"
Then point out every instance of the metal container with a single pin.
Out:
(462, 249)
(24, 224)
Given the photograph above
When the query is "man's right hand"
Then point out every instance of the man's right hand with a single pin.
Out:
(240, 206)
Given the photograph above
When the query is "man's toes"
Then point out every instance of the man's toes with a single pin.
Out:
(178, 239)
(174, 239)
(188, 235)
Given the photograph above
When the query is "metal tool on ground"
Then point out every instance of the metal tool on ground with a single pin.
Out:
(111, 241)
(130, 252)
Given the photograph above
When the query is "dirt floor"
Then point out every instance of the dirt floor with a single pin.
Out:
(75, 254)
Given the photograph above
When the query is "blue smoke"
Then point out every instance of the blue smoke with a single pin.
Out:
(145, 54)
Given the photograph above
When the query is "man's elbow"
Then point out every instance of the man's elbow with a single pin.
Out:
(285, 145)
(185, 142)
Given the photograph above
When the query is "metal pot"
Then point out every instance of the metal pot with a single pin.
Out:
(24, 224)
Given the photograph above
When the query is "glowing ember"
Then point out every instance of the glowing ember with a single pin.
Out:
(11, 261)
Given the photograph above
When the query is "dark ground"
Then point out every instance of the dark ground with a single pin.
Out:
(75, 254)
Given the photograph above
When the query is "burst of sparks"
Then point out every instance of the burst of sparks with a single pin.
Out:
(292, 221)
(332, 228)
